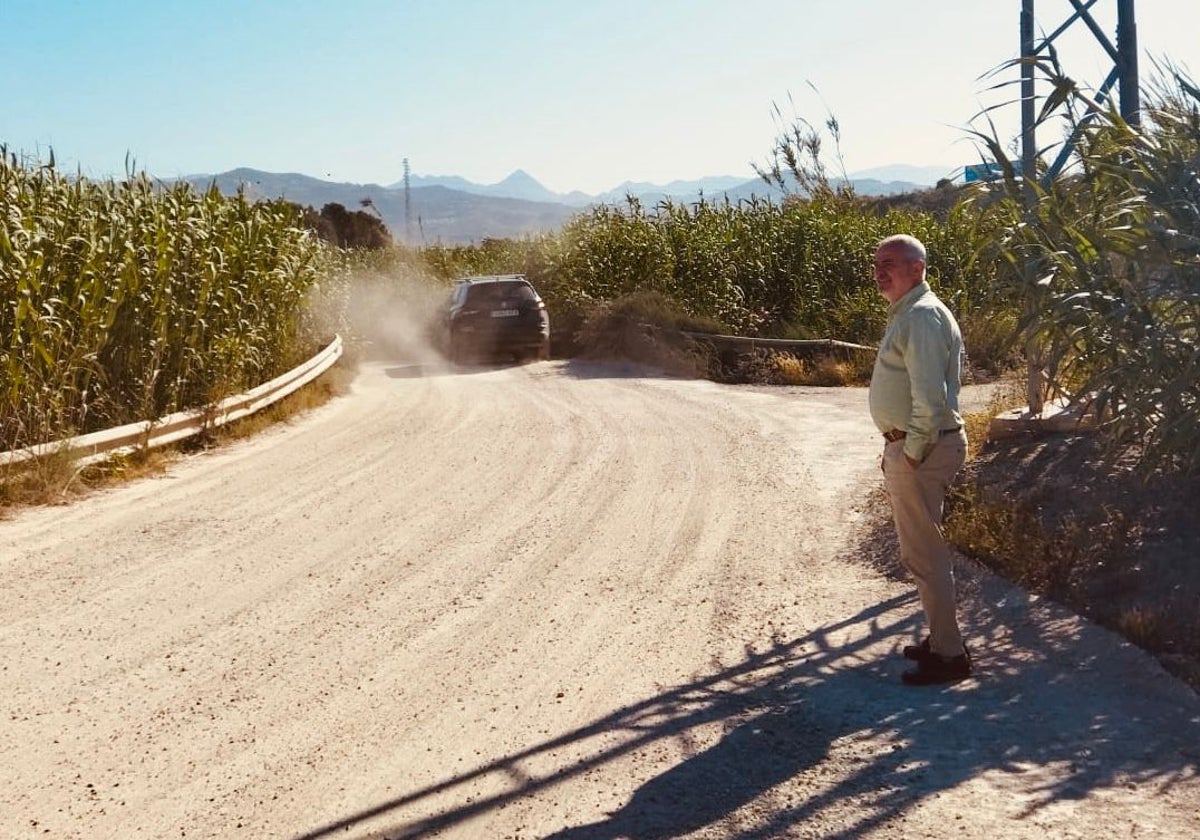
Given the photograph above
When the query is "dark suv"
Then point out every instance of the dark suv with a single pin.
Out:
(497, 315)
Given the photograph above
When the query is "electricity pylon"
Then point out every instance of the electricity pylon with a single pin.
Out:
(1124, 76)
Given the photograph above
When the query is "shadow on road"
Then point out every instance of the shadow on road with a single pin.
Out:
(432, 370)
(616, 369)
(575, 368)
(782, 709)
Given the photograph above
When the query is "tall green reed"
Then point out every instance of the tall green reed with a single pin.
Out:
(129, 299)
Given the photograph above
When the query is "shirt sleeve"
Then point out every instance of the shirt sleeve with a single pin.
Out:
(926, 356)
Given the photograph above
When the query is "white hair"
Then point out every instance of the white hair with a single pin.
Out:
(912, 246)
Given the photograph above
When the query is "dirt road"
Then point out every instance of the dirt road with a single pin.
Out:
(558, 600)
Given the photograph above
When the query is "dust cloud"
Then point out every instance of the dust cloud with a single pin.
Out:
(397, 315)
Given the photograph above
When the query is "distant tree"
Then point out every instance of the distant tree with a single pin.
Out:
(318, 224)
(356, 228)
(345, 228)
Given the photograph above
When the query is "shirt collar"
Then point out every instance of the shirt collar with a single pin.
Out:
(910, 297)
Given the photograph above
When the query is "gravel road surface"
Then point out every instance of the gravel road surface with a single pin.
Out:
(559, 600)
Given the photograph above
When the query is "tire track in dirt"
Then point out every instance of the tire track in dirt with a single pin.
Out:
(560, 599)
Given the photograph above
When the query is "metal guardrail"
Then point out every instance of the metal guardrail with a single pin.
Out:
(182, 424)
(779, 343)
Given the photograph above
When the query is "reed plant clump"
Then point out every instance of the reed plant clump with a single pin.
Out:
(1106, 264)
(131, 299)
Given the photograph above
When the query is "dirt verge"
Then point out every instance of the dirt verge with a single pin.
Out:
(1059, 516)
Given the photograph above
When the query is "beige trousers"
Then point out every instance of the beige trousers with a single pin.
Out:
(917, 496)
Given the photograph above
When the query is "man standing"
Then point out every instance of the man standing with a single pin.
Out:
(914, 403)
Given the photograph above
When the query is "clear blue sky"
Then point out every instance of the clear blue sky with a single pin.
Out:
(582, 95)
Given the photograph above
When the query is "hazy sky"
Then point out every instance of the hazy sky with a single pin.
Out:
(582, 95)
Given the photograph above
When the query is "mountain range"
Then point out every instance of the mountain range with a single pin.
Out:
(453, 210)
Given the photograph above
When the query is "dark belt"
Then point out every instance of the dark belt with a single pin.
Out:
(896, 434)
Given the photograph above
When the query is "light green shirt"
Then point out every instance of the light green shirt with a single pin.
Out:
(914, 387)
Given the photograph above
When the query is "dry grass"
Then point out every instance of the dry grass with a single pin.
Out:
(335, 382)
(58, 479)
(1142, 625)
(1008, 393)
(1013, 539)
(1052, 514)
(1092, 565)
(824, 371)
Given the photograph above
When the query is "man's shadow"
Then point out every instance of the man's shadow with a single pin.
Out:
(820, 728)
(753, 757)
(781, 708)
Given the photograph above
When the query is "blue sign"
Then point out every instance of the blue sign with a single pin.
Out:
(988, 171)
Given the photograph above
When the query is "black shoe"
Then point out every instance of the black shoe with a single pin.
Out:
(934, 669)
(917, 652)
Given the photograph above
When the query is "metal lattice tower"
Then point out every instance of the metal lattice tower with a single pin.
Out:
(1124, 75)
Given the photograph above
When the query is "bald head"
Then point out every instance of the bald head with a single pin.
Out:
(899, 266)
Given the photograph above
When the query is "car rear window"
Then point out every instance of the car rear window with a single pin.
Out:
(486, 293)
